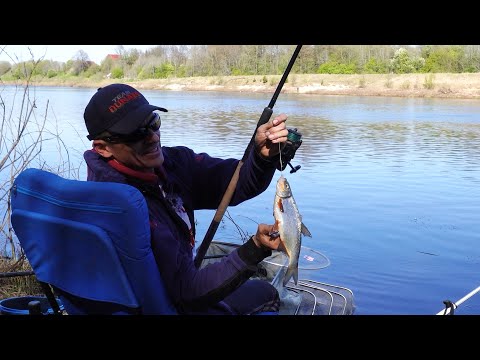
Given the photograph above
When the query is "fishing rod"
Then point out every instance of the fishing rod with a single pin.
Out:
(450, 307)
(227, 196)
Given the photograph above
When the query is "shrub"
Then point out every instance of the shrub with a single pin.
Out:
(389, 83)
(362, 82)
(117, 73)
(405, 85)
(428, 83)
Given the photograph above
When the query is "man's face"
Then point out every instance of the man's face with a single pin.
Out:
(143, 155)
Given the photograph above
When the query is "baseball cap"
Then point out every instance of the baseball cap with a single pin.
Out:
(118, 108)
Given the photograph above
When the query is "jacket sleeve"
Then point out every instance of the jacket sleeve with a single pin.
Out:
(211, 176)
(197, 289)
(255, 177)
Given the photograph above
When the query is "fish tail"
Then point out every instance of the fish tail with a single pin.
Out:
(291, 271)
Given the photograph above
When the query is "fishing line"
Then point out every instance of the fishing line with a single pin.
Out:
(281, 163)
(276, 233)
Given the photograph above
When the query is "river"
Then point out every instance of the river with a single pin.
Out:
(388, 187)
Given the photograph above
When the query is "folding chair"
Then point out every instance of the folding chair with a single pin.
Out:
(89, 242)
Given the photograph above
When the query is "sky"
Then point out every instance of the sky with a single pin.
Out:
(63, 53)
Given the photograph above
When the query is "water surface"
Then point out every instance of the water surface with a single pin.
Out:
(388, 187)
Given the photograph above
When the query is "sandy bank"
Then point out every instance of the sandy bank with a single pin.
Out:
(461, 86)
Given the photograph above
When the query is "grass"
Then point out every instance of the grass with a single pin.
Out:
(18, 285)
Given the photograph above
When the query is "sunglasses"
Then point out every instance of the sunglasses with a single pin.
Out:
(153, 123)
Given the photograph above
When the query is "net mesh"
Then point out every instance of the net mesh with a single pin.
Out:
(307, 297)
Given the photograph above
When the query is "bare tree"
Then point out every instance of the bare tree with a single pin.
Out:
(81, 62)
(23, 133)
(120, 50)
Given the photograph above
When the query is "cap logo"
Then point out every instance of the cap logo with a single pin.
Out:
(123, 98)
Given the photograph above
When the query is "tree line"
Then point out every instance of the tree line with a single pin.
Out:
(164, 61)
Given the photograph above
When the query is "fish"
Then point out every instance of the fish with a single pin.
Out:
(288, 223)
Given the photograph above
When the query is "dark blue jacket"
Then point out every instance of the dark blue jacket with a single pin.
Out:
(200, 180)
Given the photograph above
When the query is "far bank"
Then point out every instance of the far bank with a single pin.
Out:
(458, 86)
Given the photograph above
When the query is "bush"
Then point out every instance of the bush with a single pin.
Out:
(117, 73)
(428, 83)
(362, 82)
(334, 67)
(51, 73)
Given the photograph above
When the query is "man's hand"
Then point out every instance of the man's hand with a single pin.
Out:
(267, 237)
(270, 136)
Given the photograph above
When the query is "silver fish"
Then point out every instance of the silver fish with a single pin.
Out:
(288, 222)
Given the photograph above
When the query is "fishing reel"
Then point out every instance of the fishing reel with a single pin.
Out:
(288, 152)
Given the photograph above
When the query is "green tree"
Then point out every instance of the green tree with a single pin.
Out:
(448, 59)
(163, 71)
(22, 70)
(401, 62)
(375, 66)
(130, 56)
(92, 70)
(106, 65)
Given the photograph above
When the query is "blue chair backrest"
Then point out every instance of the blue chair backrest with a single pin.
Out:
(90, 240)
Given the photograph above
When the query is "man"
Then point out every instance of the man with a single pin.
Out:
(175, 181)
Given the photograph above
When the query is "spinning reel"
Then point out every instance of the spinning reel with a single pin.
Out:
(288, 152)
